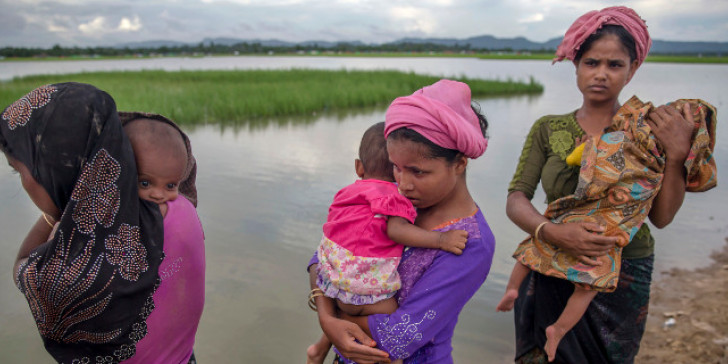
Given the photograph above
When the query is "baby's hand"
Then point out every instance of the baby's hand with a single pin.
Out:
(453, 241)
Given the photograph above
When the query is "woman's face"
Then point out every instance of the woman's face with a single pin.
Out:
(604, 70)
(35, 190)
(424, 181)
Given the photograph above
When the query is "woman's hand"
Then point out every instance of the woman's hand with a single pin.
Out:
(673, 130)
(580, 239)
(344, 336)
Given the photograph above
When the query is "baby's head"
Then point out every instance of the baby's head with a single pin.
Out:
(161, 158)
(373, 162)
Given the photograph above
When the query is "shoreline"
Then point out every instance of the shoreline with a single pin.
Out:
(493, 55)
(688, 315)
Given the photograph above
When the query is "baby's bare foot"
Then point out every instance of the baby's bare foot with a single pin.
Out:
(315, 354)
(506, 303)
(554, 334)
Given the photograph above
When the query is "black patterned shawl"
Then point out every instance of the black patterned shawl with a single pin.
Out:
(90, 287)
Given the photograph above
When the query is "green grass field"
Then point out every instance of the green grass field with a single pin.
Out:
(241, 96)
(652, 58)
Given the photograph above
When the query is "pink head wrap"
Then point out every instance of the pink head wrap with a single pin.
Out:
(442, 114)
(590, 22)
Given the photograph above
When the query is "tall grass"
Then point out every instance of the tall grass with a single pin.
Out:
(222, 96)
(661, 58)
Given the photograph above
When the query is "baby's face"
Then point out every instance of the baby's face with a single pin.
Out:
(159, 176)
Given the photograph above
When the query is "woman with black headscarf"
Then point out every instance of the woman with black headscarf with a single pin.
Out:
(90, 285)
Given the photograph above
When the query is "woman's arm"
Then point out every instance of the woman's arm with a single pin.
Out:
(37, 236)
(673, 130)
(579, 238)
(403, 232)
(433, 304)
(344, 334)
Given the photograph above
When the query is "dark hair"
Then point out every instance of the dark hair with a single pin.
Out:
(434, 150)
(624, 37)
(373, 153)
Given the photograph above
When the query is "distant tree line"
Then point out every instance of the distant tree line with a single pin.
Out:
(239, 48)
(212, 48)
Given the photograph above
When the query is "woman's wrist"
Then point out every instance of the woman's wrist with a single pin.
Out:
(546, 233)
(537, 233)
(677, 164)
(50, 221)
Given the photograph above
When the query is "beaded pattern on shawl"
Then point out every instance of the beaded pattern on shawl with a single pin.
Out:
(65, 287)
(18, 114)
(52, 283)
(126, 251)
(96, 193)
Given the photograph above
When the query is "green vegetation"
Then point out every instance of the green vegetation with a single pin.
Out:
(211, 48)
(663, 58)
(242, 96)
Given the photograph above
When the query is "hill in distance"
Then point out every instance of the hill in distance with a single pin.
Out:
(483, 42)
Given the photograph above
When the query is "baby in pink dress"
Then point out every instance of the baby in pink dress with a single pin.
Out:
(368, 226)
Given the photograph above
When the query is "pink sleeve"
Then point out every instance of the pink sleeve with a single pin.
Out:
(394, 204)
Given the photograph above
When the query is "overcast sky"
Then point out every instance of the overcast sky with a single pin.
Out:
(38, 23)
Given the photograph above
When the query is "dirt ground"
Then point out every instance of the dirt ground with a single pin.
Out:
(688, 319)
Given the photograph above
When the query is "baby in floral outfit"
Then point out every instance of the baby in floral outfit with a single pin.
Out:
(368, 226)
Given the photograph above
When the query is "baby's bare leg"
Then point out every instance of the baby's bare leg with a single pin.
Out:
(384, 306)
(316, 353)
(574, 310)
(518, 274)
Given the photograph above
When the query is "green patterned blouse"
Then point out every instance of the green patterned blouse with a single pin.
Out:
(543, 158)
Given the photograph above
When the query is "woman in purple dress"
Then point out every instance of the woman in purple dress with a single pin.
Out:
(431, 134)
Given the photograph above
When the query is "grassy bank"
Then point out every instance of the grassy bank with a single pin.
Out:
(686, 59)
(658, 58)
(224, 96)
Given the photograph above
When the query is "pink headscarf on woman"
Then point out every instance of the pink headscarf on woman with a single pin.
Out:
(590, 22)
(441, 113)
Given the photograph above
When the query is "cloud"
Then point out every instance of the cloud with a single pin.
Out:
(533, 18)
(259, 2)
(84, 22)
(54, 27)
(127, 25)
(97, 25)
(413, 20)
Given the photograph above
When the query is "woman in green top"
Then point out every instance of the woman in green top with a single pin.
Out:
(606, 47)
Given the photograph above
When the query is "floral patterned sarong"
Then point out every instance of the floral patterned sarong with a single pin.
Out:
(354, 279)
(621, 173)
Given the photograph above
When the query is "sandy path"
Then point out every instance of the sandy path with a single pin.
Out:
(697, 301)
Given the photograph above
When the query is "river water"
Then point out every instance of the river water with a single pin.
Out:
(264, 193)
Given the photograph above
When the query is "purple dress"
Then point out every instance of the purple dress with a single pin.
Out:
(436, 285)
